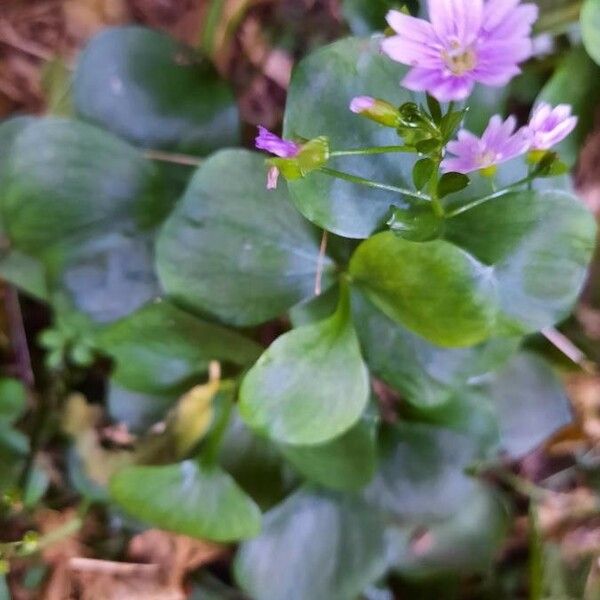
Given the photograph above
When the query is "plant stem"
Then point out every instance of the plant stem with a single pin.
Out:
(373, 184)
(372, 150)
(511, 188)
(169, 157)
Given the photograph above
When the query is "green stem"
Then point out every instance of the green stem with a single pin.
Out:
(373, 184)
(372, 150)
(511, 188)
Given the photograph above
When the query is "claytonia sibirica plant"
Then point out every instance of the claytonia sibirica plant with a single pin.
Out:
(465, 42)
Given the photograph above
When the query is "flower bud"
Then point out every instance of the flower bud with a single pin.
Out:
(311, 156)
(380, 111)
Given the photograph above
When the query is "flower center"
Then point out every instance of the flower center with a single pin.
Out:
(488, 158)
(459, 60)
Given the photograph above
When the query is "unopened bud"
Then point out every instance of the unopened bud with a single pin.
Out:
(380, 111)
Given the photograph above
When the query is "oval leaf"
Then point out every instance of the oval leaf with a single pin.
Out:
(339, 538)
(311, 385)
(155, 92)
(161, 349)
(539, 245)
(345, 463)
(187, 498)
(236, 250)
(66, 178)
(433, 288)
(426, 375)
(322, 87)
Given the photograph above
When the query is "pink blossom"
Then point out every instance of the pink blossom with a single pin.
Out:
(465, 41)
(549, 126)
(499, 143)
(265, 140)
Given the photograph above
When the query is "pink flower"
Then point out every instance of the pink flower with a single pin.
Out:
(549, 126)
(265, 140)
(467, 41)
(499, 143)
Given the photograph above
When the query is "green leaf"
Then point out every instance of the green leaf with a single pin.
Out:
(338, 537)
(255, 463)
(106, 277)
(155, 92)
(12, 400)
(425, 374)
(422, 172)
(65, 178)
(590, 26)
(346, 463)
(235, 250)
(435, 109)
(508, 267)
(187, 498)
(161, 349)
(322, 87)
(539, 245)
(465, 543)
(421, 472)
(417, 224)
(311, 385)
(397, 275)
(451, 183)
(575, 82)
(530, 403)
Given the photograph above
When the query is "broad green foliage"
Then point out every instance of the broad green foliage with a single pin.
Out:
(539, 245)
(421, 471)
(317, 545)
(511, 266)
(530, 403)
(234, 250)
(345, 463)
(311, 385)
(466, 541)
(190, 498)
(64, 179)
(322, 87)
(160, 348)
(426, 374)
(155, 92)
(434, 288)
(367, 329)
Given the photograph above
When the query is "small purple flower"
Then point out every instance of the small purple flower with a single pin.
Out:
(467, 41)
(499, 143)
(549, 126)
(265, 140)
(361, 104)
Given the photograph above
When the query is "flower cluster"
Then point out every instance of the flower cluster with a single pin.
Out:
(501, 141)
(465, 42)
